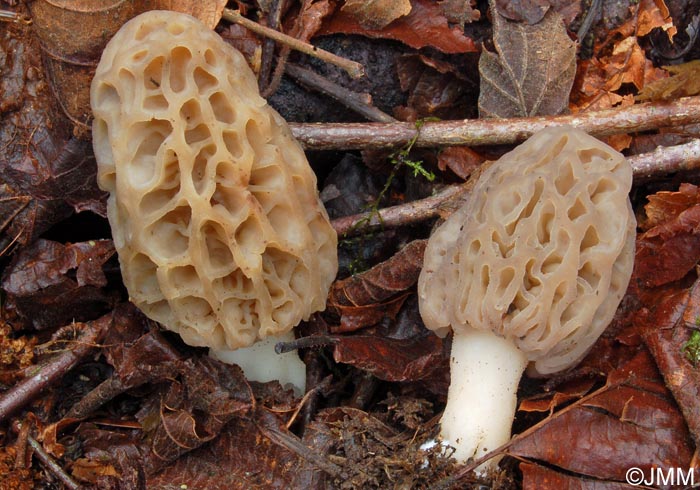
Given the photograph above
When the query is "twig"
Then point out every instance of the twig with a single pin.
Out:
(52, 465)
(402, 214)
(348, 98)
(268, 47)
(661, 161)
(354, 69)
(47, 375)
(293, 444)
(477, 132)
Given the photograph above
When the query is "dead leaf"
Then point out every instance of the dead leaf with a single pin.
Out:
(390, 359)
(634, 424)
(51, 284)
(376, 14)
(666, 326)
(424, 26)
(435, 88)
(462, 160)
(654, 14)
(667, 205)
(618, 60)
(382, 281)
(683, 82)
(530, 11)
(670, 249)
(539, 477)
(241, 458)
(532, 70)
(460, 12)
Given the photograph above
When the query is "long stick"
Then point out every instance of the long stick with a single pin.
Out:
(477, 132)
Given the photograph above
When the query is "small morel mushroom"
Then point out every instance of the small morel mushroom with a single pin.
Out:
(528, 272)
(213, 207)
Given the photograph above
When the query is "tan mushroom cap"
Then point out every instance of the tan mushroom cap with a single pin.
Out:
(542, 251)
(213, 206)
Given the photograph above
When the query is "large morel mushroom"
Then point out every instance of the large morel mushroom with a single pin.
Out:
(213, 206)
(528, 272)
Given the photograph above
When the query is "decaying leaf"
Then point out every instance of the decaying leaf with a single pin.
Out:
(364, 299)
(435, 88)
(667, 324)
(376, 14)
(460, 12)
(619, 60)
(424, 26)
(51, 284)
(532, 70)
(241, 458)
(670, 249)
(634, 423)
(393, 359)
(683, 82)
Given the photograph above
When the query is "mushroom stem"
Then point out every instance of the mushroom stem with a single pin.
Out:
(261, 363)
(481, 400)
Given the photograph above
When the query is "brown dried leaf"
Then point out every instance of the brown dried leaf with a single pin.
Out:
(683, 82)
(460, 12)
(530, 11)
(435, 88)
(670, 249)
(634, 424)
(538, 477)
(51, 284)
(666, 326)
(619, 59)
(239, 459)
(376, 14)
(382, 281)
(667, 205)
(424, 26)
(208, 11)
(462, 160)
(531, 72)
(393, 359)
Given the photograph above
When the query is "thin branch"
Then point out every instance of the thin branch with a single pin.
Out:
(478, 132)
(354, 69)
(662, 161)
(46, 376)
(51, 465)
(352, 100)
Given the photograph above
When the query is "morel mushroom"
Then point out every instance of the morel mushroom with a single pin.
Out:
(528, 272)
(213, 206)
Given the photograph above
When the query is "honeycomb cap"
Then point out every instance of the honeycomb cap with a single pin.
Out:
(540, 253)
(213, 206)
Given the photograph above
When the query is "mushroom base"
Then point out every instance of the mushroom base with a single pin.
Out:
(261, 363)
(481, 400)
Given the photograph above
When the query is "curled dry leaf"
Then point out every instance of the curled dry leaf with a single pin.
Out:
(683, 82)
(619, 59)
(668, 250)
(365, 299)
(51, 284)
(634, 423)
(410, 359)
(424, 26)
(532, 70)
(376, 14)
(239, 459)
(667, 326)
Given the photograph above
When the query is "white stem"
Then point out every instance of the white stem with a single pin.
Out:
(481, 400)
(261, 363)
